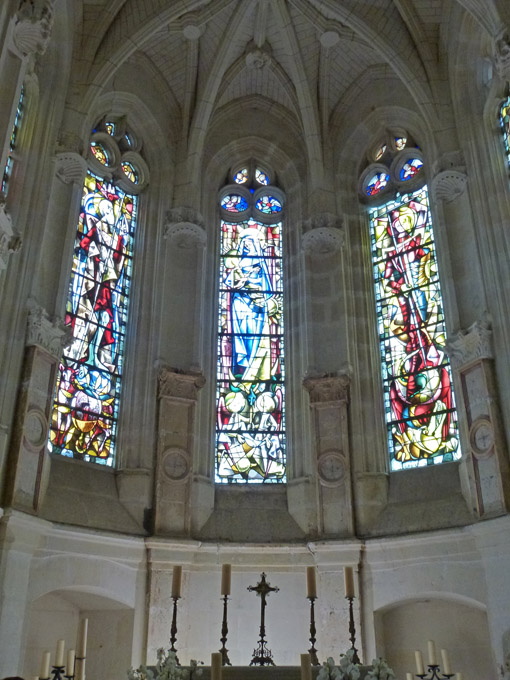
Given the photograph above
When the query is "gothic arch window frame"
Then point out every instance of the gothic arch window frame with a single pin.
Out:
(260, 418)
(401, 260)
(85, 413)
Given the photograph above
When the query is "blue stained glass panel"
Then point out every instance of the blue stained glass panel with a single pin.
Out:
(234, 203)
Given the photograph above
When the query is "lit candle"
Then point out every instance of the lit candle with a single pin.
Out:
(432, 653)
(349, 581)
(419, 663)
(176, 581)
(59, 655)
(70, 662)
(306, 667)
(446, 662)
(226, 572)
(82, 639)
(45, 665)
(311, 583)
(216, 670)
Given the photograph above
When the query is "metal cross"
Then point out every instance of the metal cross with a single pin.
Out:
(261, 655)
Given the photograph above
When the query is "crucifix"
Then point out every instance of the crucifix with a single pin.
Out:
(261, 655)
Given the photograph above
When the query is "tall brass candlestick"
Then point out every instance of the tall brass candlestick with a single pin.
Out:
(312, 651)
(173, 629)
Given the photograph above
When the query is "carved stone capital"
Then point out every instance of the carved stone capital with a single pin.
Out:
(322, 234)
(10, 240)
(70, 167)
(185, 228)
(449, 185)
(328, 388)
(177, 384)
(49, 334)
(471, 345)
(501, 56)
(33, 24)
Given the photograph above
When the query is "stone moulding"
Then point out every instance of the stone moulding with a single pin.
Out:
(49, 334)
(10, 241)
(70, 167)
(177, 384)
(449, 185)
(471, 345)
(185, 228)
(327, 388)
(33, 24)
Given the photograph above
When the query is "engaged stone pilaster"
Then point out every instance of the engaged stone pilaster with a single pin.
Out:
(471, 355)
(178, 393)
(329, 401)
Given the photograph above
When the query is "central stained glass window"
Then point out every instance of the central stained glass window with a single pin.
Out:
(250, 431)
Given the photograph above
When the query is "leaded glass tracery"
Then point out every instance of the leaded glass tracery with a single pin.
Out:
(504, 119)
(12, 145)
(250, 430)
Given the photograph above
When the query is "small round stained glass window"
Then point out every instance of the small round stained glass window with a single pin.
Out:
(234, 203)
(110, 128)
(241, 177)
(268, 205)
(100, 153)
(377, 183)
(130, 171)
(380, 152)
(411, 168)
(400, 143)
(261, 177)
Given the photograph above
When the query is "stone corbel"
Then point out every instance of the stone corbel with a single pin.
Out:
(473, 344)
(184, 227)
(10, 240)
(176, 384)
(70, 167)
(448, 185)
(32, 27)
(328, 387)
(48, 334)
(322, 234)
(501, 58)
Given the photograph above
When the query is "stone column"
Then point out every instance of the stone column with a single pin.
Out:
(329, 400)
(486, 459)
(28, 465)
(178, 392)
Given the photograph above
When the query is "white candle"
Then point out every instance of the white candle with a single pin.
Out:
(176, 581)
(70, 662)
(446, 662)
(419, 663)
(432, 653)
(306, 667)
(216, 670)
(226, 573)
(311, 582)
(409, 676)
(59, 654)
(80, 669)
(349, 581)
(81, 646)
(459, 676)
(35, 677)
(45, 665)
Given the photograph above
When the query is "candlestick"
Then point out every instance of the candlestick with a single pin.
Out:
(349, 581)
(226, 572)
(306, 667)
(81, 647)
(446, 662)
(173, 629)
(352, 631)
(419, 663)
(312, 651)
(431, 645)
(176, 581)
(59, 654)
(45, 665)
(224, 632)
(70, 663)
(311, 583)
(216, 669)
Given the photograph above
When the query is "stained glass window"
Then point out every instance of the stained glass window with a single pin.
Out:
(100, 152)
(110, 128)
(12, 145)
(130, 171)
(261, 177)
(241, 177)
(377, 183)
(268, 205)
(380, 152)
(400, 143)
(418, 395)
(411, 168)
(234, 203)
(504, 118)
(250, 431)
(84, 419)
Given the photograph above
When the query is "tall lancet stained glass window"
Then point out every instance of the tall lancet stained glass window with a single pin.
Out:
(86, 406)
(7, 172)
(418, 392)
(250, 430)
(504, 119)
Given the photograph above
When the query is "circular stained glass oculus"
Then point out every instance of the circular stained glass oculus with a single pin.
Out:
(234, 203)
(241, 176)
(410, 169)
(268, 205)
(377, 183)
(400, 143)
(130, 171)
(100, 153)
(261, 177)
(110, 128)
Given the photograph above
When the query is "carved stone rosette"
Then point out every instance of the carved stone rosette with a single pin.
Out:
(48, 334)
(178, 393)
(184, 227)
(329, 400)
(33, 24)
(10, 241)
(471, 354)
(322, 235)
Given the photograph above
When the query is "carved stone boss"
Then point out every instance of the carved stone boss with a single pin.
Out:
(178, 393)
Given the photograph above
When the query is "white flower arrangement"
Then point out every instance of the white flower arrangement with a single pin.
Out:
(167, 668)
(348, 670)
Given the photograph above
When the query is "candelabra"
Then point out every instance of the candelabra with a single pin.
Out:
(352, 630)
(58, 673)
(312, 651)
(225, 661)
(434, 673)
(173, 629)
